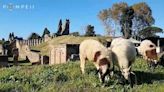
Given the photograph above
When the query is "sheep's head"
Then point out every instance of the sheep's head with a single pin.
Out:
(126, 72)
(104, 65)
(128, 75)
(152, 55)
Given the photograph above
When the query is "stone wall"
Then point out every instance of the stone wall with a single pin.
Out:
(58, 55)
(26, 53)
(33, 42)
(33, 57)
(62, 53)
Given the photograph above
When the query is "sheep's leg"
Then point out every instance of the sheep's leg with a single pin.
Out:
(148, 63)
(98, 71)
(82, 64)
(101, 76)
(111, 72)
(97, 67)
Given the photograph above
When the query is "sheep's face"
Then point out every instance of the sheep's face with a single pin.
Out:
(104, 65)
(126, 73)
(151, 54)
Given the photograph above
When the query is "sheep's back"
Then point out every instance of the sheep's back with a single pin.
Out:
(88, 48)
(124, 51)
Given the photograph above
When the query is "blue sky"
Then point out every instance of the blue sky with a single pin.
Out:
(47, 13)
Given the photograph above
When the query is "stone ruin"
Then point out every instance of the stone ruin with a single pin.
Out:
(19, 48)
(47, 37)
(62, 30)
(3, 57)
(63, 53)
(32, 55)
(32, 42)
(26, 53)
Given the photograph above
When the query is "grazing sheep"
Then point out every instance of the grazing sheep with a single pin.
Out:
(148, 50)
(100, 55)
(124, 54)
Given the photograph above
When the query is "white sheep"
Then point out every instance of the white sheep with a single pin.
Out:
(148, 50)
(124, 54)
(99, 54)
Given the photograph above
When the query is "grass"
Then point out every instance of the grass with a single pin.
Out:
(68, 78)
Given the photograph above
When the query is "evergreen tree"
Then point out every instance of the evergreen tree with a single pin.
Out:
(90, 30)
(34, 36)
(46, 31)
(126, 22)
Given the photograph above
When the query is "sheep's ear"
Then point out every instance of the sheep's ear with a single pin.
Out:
(97, 54)
(129, 67)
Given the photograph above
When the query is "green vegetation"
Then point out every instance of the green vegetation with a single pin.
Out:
(34, 36)
(68, 78)
(90, 31)
(1, 41)
(150, 32)
(46, 31)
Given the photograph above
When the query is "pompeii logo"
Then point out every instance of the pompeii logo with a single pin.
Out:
(12, 6)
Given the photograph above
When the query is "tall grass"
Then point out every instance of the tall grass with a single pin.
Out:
(68, 78)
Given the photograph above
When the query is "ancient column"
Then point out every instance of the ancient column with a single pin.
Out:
(34, 42)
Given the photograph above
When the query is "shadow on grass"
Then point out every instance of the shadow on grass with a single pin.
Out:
(21, 61)
(148, 77)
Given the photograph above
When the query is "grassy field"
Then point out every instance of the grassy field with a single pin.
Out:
(67, 78)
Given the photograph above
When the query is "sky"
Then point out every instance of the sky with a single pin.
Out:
(39, 14)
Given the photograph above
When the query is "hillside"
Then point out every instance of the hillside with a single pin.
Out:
(44, 47)
(68, 78)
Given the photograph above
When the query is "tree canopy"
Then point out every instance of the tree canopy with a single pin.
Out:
(46, 31)
(150, 32)
(126, 22)
(34, 36)
(113, 18)
(90, 30)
